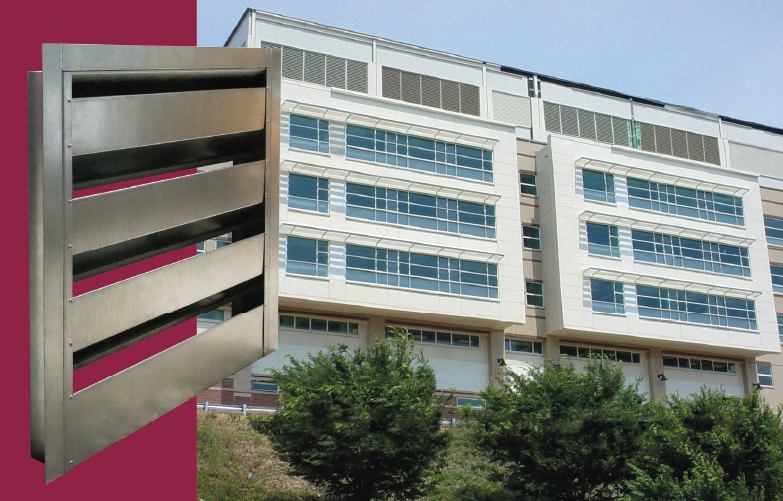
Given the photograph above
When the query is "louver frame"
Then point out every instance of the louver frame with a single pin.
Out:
(103, 114)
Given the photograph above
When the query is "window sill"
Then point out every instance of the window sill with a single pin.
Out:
(601, 256)
(312, 152)
(408, 169)
(706, 326)
(307, 211)
(687, 218)
(420, 291)
(428, 230)
(312, 277)
(598, 202)
(320, 333)
(714, 273)
(609, 313)
(653, 154)
(667, 368)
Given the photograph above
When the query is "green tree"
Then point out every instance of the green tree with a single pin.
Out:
(711, 446)
(565, 434)
(364, 424)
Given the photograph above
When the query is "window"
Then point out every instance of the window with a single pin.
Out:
(217, 315)
(401, 150)
(534, 292)
(628, 357)
(288, 321)
(774, 229)
(473, 402)
(221, 243)
(598, 185)
(309, 193)
(780, 327)
(527, 184)
(686, 202)
(765, 375)
(777, 277)
(689, 253)
(264, 386)
(531, 237)
(607, 297)
(200, 248)
(307, 257)
(603, 240)
(423, 211)
(421, 271)
(693, 307)
(309, 134)
(522, 346)
(437, 337)
(699, 364)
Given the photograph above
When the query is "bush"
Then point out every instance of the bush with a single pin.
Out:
(363, 424)
(711, 446)
(565, 435)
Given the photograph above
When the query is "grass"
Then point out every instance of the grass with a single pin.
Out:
(237, 463)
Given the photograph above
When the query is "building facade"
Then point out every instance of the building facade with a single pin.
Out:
(503, 216)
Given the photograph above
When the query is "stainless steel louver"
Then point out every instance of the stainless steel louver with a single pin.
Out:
(511, 109)
(357, 76)
(449, 92)
(392, 87)
(102, 114)
(586, 124)
(552, 117)
(616, 130)
(430, 91)
(322, 69)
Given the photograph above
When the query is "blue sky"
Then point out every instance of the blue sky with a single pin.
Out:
(720, 56)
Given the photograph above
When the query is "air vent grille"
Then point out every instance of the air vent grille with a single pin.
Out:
(430, 91)
(322, 69)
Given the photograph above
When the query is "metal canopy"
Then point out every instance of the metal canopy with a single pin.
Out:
(103, 114)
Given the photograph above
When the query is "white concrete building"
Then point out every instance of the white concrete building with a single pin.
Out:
(504, 216)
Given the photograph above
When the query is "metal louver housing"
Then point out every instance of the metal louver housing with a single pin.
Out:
(430, 91)
(102, 114)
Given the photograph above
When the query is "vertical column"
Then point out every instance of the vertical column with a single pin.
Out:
(376, 330)
(552, 348)
(751, 374)
(655, 367)
(496, 351)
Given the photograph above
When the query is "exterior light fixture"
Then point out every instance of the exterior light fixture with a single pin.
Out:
(662, 378)
(502, 362)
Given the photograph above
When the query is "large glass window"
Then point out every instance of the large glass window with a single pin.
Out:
(690, 253)
(307, 257)
(531, 237)
(534, 292)
(423, 211)
(603, 240)
(777, 277)
(765, 375)
(309, 133)
(780, 327)
(774, 229)
(607, 296)
(421, 271)
(699, 364)
(401, 150)
(685, 201)
(527, 184)
(598, 185)
(438, 337)
(522, 346)
(310, 193)
(300, 322)
(628, 357)
(694, 307)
